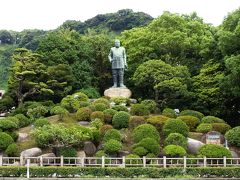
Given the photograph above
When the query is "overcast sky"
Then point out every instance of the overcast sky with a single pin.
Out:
(49, 14)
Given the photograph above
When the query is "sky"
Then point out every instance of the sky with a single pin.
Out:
(18, 15)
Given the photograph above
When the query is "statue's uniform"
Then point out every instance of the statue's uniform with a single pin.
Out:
(117, 57)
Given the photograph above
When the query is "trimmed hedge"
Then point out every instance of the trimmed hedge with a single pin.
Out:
(112, 134)
(212, 119)
(214, 151)
(139, 110)
(169, 113)
(204, 128)
(108, 115)
(145, 131)
(83, 114)
(151, 105)
(221, 127)
(197, 114)
(175, 126)
(176, 139)
(112, 146)
(114, 172)
(5, 140)
(191, 121)
(233, 136)
(135, 121)
(157, 121)
(175, 151)
(120, 120)
(97, 115)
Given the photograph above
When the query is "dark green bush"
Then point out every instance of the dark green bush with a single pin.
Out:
(191, 121)
(13, 134)
(169, 113)
(150, 144)
(174, 151)
(204, 128)
(83, 114)
(120, 108)
(68, 152)
(120, 120)
(6, 124)
(157, 121)
(139, 110)
(23, 120)
(84, 104)
(112, 146)
(12, 150)
(13, 119)
(108, 115)
(212, 119)
(144, 131)
(60, 111)
(97, 115)
(214, 151)
(197, 114)
(140, 151)
(98, 107)
(97, 123)
(5, 140)
(90, 92)
(221, 127)
(135, 121)
(151, 105)
(37, 112)
(133, 159)
(175, 126)
(119, 100)
(104, 129)
(102, 101)
(41, 122)
(6, 103)
(233, 136)
(112, 134)
(100, 153)
(176, 139)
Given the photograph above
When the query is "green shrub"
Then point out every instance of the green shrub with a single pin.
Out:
(150, 144)
(133, 159)
(60, 111)
(102, 101)
(157, 121)
(233, 136)
(139, 110)
(6, 103)
(175, 151)
(5, 140)
(221, 127)
(68, 152)
(212, 119)
(140, 151)
(112, 146)
(176, 139)
(23, 120)
(90, 92)
(6, 124)
(196, 114)
(112, 134)
(84, 104)
(96, 137)
(12, 150)
(98, 107)
(214, 151)
(169, 113)
(191, 121)
(119, 100)
(175, 126)
(104, 129)
(13, 119)
(108, 115)
(97, 115)
(37, 112)
(151, 105)
(83, 114)
(13, 134)
(120, 108)
(100, 153)
(97, 123)
(120, 120)
(79, 96)
(204, 128)
(144, 131)
(150, 155)
(135, 121)
(41, 122)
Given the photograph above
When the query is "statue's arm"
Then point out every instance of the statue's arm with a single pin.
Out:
(110, 56)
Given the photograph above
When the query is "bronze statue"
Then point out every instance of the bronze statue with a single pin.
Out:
(117, 58)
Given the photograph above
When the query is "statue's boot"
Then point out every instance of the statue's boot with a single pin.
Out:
(114, 81)
(121, 79)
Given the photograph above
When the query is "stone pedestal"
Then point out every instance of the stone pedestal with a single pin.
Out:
(114, 92)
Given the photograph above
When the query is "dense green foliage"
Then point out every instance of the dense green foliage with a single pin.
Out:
(175, 126)
(120, 120)
(149, 144)
(174, 151)
(112, 134)
(5, 140)
(233, 136)
(112, 146)
(176, 139)
(214, 151)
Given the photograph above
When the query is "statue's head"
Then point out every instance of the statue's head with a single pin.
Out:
(117, 43)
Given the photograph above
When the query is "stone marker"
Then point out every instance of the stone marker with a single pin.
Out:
(115, 92)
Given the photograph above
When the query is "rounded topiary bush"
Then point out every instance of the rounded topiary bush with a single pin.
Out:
(119, 100)
(120, 120)
(197, 114)
(214, 151)
(41, 122)
(150, 144)
(135, 121)
(90, 92)
(204, 128)
(104, 129)
(175, 151)
(13, 134)
(221, 127)
(133, 159)
(102, 101)
(97, 123)
(233, 136)
(23, 120)
(175, 126)
(151, 105)
(108, 115)
(144, 131)
(120, 108)
(7, 125)
(83, 114)
(169, 113)
(5, 140)
(84, 104)
(12, 150)
(176, 139)
(140, 151)
(98, 107)
(139, 110)
(112, 134)
(212, 119)
(191, 121)
(112, 146)
(157, 121)
(68, 152)
(12, 119)
(97, 115)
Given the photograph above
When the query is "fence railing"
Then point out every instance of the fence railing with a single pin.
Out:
(163, 162)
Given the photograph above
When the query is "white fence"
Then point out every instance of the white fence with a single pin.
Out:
(163, 162)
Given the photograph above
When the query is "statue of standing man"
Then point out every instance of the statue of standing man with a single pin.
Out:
(117, 58)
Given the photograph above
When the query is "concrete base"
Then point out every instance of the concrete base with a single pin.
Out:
(114, 92)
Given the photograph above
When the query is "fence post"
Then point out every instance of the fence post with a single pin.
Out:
(61, 162)
(144, 161)
(82, 161)
(21, 160)
(28, 170)
(41, 161)
(1, 160)
(164, 162)
(103, 161)
(184, 162)
(224, 161)
(123, 162)
(204, 161)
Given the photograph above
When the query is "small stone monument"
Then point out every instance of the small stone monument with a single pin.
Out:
(214, 137)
